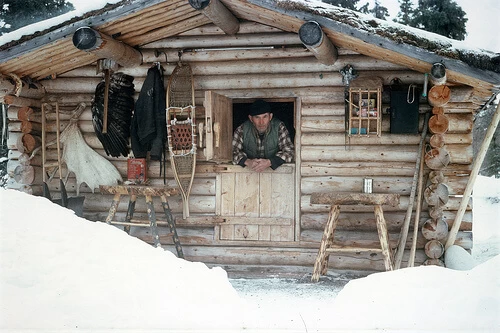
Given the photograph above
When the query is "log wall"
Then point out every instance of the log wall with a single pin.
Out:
(326, 159)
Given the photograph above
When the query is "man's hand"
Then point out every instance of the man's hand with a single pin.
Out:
(258, 164)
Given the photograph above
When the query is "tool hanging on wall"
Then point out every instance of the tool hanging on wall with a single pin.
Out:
(181, 129)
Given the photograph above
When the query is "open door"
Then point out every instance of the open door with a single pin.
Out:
(218, 127)
(256, 207)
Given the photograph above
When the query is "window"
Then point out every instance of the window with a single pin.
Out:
(365, 111)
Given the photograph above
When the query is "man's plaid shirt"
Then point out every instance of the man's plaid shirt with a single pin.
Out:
(285, 152)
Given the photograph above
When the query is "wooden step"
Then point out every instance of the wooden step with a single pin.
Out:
(352, 249)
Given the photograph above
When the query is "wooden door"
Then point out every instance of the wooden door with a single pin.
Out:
(256, 206)
(218, 127)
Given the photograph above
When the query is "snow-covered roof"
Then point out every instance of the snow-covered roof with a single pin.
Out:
(401, 44)
(400, 33)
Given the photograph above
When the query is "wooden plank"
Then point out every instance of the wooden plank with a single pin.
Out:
(246, 203)
(246, 232)
(266, 195)
(265, 232)
(283, 194)
(277, 220)
(338, 198)
(228, 189)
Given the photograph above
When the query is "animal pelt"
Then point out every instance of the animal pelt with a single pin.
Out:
(120, 106)
(88, 166)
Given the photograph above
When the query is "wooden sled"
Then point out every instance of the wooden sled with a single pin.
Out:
(181, 130)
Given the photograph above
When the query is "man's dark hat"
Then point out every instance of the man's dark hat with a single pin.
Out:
(259, 107)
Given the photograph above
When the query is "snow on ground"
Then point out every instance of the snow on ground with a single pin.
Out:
(63, 273)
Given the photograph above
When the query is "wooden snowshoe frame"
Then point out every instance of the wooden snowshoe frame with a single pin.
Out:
(181, 130)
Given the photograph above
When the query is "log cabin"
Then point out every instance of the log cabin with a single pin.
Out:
(367, 103)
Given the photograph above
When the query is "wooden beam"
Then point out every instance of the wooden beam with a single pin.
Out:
(216, 12)
(478, 161)
(317, 42)
(92, 41)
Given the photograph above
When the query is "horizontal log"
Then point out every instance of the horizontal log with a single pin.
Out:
(239, 40)
(365, 220)
(370, 239)
(234, 62)
(25, 143)
(341, 198)
(252, 81)
(27, 174)
(381, 184)
(21, 101)
(323, 109)
(34, 90)
(459, 154)
(233, 255)
(246, 27)
(335, 139)
(197, 204)
(365, 169)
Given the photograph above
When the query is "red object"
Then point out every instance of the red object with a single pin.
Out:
(137, 170)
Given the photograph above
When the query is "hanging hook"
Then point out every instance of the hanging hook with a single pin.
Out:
(179, 54)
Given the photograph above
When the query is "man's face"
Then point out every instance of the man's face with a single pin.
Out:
(261, 121)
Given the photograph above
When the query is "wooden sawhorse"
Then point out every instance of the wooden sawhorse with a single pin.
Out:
(148, 192)
(340, 198)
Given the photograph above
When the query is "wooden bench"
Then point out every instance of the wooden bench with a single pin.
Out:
(148, 192)
(327, 242)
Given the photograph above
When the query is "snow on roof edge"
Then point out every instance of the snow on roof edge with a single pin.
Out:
(453, 49)
(399, 33)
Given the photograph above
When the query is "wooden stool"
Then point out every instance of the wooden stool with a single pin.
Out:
(337, 199)
(148, 192)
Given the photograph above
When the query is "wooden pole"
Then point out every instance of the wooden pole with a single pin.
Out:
(411, 260)
(472, 179)
(216, 12)
(106, 101)
(406, 225)
(313, 37)
(103, 46)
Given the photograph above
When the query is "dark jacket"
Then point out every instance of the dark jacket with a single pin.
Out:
(149, 127)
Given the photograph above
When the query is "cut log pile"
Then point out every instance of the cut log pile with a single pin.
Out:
(437, 158)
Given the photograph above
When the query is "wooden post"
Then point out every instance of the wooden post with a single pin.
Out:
(473, 175)
(411, 260)
(90, 40)
(406, 225)
(321, 262)
(384, 238)
(216, 12)
(313, 37)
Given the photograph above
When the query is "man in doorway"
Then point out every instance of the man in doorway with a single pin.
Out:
(262, 141)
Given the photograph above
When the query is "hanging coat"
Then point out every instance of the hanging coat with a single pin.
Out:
(149, 126)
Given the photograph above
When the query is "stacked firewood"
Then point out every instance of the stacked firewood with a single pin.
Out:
(435, 229)
(23, 111)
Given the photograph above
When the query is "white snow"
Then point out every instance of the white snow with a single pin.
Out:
(479, 39)
(63, 273)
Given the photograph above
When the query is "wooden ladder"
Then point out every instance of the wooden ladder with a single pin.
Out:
(148, 192)
(327, 245)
